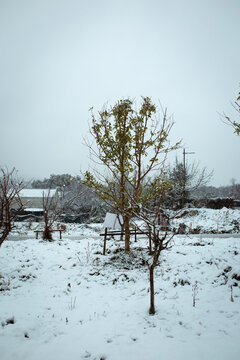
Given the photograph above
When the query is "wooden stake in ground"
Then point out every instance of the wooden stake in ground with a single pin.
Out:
(105, 241)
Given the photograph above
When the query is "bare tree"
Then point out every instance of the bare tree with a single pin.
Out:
(229, 121)
(51, 212)
(79, 197)
(185, 179)
(10, 201)
(161, 240)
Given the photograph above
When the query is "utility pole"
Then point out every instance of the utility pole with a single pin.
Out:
(184, 175)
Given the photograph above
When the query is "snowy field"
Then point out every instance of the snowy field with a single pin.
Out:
(208, 220)
(64, 300)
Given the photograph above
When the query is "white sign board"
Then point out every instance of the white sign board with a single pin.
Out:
(113, 221)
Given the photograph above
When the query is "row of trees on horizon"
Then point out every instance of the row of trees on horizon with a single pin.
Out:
(196, 186)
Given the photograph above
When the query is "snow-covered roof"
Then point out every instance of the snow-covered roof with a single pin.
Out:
(34, 209)
(37, 193)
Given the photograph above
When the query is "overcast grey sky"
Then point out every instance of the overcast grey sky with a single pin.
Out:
(60, 57)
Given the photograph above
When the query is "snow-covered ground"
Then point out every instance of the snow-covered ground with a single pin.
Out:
(65, 300)
(208, 220)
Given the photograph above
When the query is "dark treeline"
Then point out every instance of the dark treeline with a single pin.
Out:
(55, 181)
(230, 191)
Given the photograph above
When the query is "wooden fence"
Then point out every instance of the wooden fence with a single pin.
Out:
(121, 233)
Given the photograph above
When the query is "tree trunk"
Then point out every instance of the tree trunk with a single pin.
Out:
(150, 240)
(47, 235)
(6, 230)
(151, 278)
(6, 227)
(127, 232)
(122, 231)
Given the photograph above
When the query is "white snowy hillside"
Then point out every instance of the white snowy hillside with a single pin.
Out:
(207, 220)
(65, 300)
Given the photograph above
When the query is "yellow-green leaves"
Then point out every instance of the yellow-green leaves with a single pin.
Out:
(130, 143)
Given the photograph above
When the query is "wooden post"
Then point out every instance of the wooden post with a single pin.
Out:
(105, 241)
(36, 234)
(151, 278)
(122, 229)
(60, 231)
(135, 235)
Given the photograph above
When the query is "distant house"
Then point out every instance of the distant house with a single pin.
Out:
(32, 199)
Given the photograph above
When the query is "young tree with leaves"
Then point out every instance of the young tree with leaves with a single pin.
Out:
(131, 144)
